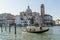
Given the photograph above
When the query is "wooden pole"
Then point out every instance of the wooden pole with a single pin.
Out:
(1, 28)
(15, 27)
(9, 28)
(5, 28)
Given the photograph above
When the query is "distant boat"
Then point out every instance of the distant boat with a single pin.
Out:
(36, 30)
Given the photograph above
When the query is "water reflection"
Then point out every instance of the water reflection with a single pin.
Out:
(6, 35)
(52, 34)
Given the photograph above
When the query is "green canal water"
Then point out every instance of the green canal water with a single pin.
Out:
(52, 34)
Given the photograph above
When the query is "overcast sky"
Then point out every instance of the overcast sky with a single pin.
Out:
(52, 7)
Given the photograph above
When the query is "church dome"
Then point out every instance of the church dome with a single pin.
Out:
(28, 9)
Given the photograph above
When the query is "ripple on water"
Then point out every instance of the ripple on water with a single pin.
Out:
(52, 34)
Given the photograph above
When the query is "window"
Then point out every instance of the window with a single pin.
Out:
(24, 14)
(21, 18)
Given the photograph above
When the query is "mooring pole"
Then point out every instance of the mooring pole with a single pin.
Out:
(5, 28)
(15, 27)
(1, 28)
(9, 27)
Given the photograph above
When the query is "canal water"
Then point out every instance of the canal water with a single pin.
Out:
(52, 34)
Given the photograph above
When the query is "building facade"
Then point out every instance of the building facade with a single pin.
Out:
(57, 22)
(30, 18)
(6, 19)
(48, 20)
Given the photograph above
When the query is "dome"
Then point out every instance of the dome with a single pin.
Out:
(28, 9)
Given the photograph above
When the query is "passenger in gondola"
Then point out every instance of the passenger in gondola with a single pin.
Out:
(34, 30)
(30, 29)
(40, 25)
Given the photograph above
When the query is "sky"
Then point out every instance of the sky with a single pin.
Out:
(14, 7)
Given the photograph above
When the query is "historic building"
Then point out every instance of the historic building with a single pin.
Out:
(18, 20)
(6, 19)
(57, 22)
(30, 18)
(46, 18)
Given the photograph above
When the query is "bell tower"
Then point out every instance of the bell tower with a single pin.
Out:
(42, 13)
(42, 10)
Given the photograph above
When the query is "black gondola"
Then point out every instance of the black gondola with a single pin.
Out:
(41, 31)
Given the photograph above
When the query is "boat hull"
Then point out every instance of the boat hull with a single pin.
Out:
(41, 31)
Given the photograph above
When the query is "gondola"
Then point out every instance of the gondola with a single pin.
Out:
(33, 30)
(41, 31)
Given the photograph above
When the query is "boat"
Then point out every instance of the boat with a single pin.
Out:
(34, 30)
(42, 31)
